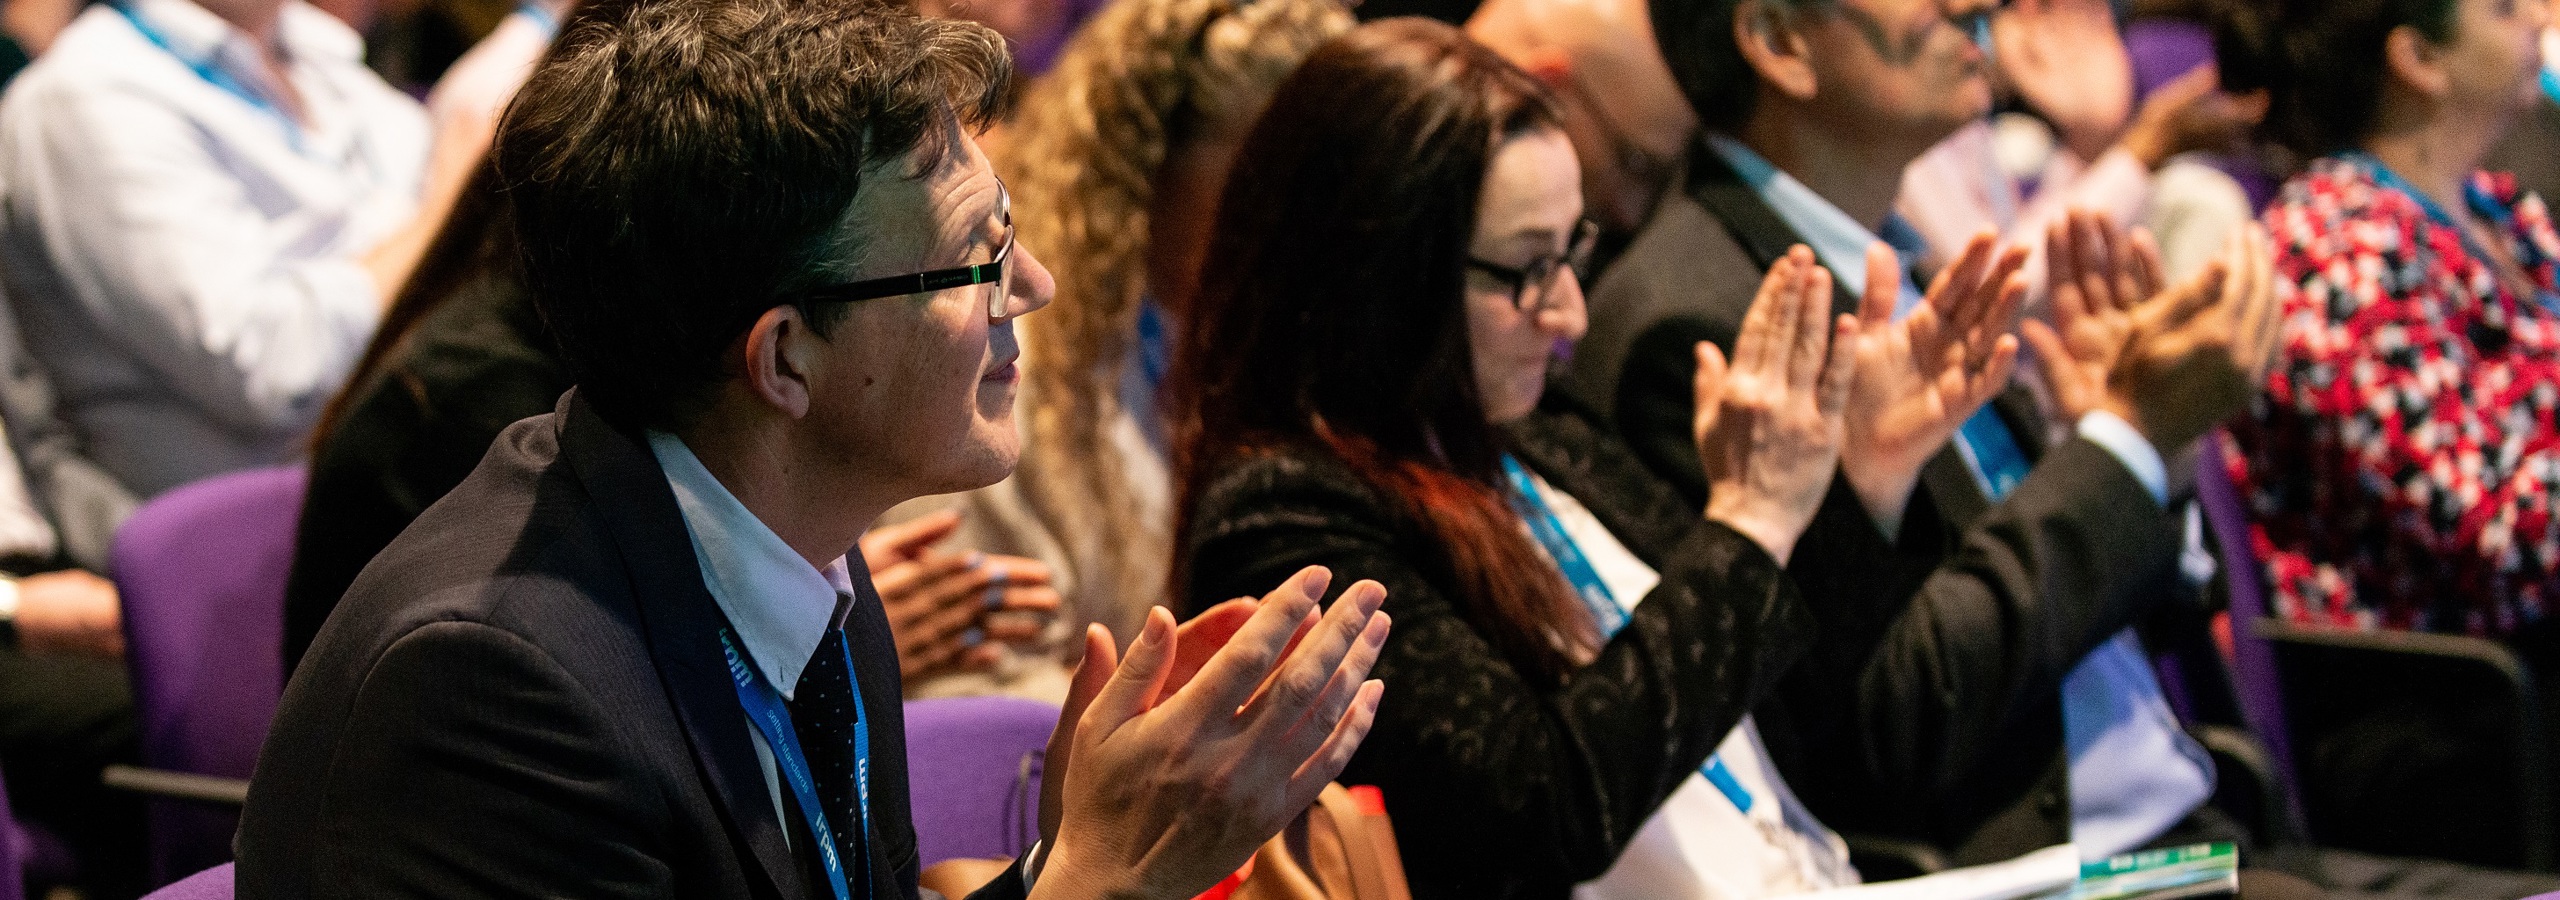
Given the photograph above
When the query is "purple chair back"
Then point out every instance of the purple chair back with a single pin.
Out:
(2253, 661)
(202, 572)
(210, 884)
(973, 769)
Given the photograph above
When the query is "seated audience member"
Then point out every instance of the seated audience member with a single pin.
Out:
(1361, 389)
(1976, 685)
(206, 208)
(1629, 125)
(1118, 155)
(628, 656)
(2400, 463)
(66, 704)
(2400, 467)
(2066, 61)
(462, 354)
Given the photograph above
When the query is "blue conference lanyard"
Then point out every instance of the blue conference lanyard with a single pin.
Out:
(1595, 595)
(213, 75)
(2481, 204)
(764, 705)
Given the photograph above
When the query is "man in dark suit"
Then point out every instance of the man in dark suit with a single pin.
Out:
(628, 656)
(1974, 584)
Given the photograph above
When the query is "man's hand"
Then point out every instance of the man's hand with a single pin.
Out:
(70, 612)
(1167, 788)
(2066, 59)
(2099, 274)
(1919, 379)
(2198, 352)
(1768, 427)
(948, 610)
(2190, 113)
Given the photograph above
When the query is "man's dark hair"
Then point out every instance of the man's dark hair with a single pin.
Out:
(1696, 37)
(677, 170)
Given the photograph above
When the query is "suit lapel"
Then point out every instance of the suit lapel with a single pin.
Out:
(1755, 226)
(631, 497)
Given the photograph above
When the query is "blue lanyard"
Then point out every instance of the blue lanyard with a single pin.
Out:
(1595, 595)
(2551, 85)
(2479, 201)
(764, 706)
(205, 69)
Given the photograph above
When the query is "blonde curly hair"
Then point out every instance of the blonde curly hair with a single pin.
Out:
(1086, 148)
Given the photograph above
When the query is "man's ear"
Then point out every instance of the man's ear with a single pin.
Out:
(1774, 49)
(2417, 63)
(780, 352)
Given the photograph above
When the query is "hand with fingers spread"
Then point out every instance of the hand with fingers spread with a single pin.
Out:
(951, 611)
(1768, 427)
(2196, 353)
(2099, 275)
(2067, 59)
(1168, 786)
(1918, 379)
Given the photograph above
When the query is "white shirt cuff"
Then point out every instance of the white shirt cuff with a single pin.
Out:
(1031, 864)
(2128, 446)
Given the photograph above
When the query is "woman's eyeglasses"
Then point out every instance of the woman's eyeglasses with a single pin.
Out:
(997, 274)
(1533, 286)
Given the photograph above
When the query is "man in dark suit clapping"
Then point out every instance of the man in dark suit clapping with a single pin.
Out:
(629, 657)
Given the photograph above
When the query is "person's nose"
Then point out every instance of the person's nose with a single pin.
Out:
(1033, 287)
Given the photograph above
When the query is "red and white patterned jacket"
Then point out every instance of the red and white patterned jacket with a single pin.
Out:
(2402, 464)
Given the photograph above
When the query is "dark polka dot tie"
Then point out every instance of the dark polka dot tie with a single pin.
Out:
(822, 712)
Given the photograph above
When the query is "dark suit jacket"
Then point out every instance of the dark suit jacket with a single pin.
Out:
(472, 368)
(1929, 708)
(524, 696)
(1503, 785)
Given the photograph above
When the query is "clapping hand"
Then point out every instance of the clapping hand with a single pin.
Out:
(2189, 357)
(1165, 786)
(2067, 59)
(2099, 275)
(1917, 380)
(1768, 427)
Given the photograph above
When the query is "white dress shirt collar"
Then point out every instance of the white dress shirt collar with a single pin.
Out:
(780, 606)
(1837, 240)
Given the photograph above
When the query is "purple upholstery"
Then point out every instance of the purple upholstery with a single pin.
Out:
(973, 768)
(202, 571)
(2253, 663)
(210, 884)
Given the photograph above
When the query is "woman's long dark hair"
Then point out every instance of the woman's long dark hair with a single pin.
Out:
(2320, 62)
(1332, 312)
(476, 240)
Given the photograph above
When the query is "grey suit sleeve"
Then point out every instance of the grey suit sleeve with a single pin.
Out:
(472, 765)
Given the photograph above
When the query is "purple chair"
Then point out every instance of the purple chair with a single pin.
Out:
(210, 884)
(2253, 661)
(13, 851)
(202, 571)
(973, 769)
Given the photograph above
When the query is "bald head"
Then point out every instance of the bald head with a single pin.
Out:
(1627, 119)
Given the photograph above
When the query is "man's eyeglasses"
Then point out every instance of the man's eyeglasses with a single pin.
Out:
(997, 274)
(1533, 286)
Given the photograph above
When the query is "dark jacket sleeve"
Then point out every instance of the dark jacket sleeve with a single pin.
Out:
(1911, 693)
(473, 765)
(1502, 784)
